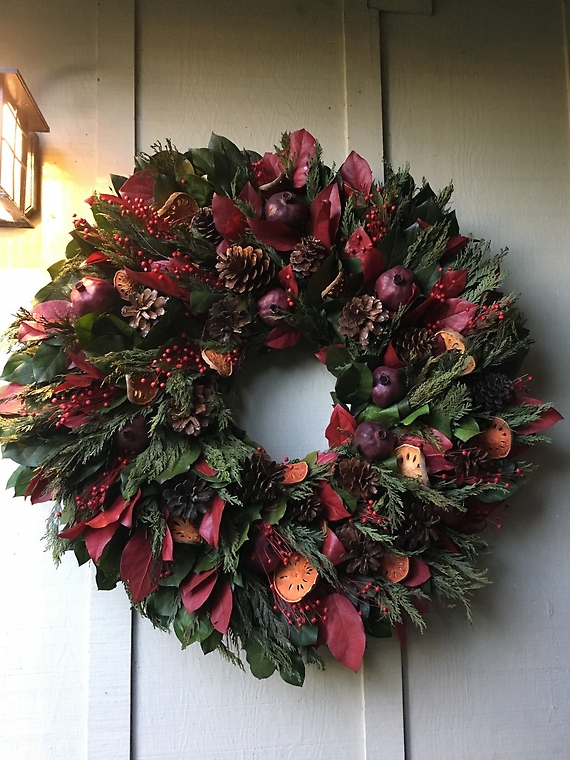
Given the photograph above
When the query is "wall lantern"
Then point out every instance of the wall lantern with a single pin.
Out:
(20, 120)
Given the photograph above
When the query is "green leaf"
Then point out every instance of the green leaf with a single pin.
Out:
(20, 479)
(393, 247)
(184, 560)
(202, 300)
(207, 561)
(117, 180)
(163, 602)
(182, 623)
(440, 422)
(413, 416)
(466, 429)
(164, 186)
(202, 630)
(183, 463)
(379, 627)
(199, 188)
(354, 385)
(296, 674)
(48, 362)
(80, 551)
(212, 642)
(31, 455)
(305, 636)
(273, 514)
(337, 360)
(322, 278)
(19, 369)
(221, 144)
(389, 416)
(260, 664)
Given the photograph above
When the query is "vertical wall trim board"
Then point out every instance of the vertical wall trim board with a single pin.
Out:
(565, 8)
(363, 86)
(110, 636)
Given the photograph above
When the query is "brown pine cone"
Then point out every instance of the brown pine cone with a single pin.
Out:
(470, 463)
(194, 420)
(307, 256)
(414, 344)
(418, 527)
(361, 317)
(244, 270)
(357, 477)
(188, 496)
(228, 320)
(308, 510)
(492, 392)
(261, 479)
(203, 222)
(364, 555)
(145, 308)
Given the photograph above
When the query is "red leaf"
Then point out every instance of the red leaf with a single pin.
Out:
(357, 173)
(204, 468)
(228, 219)
(248, 195)
(341, 427)
(140, 185)
(344, 631)
(333, 505)
(325, 215)
(167, 551)
(275, 234)
(38, 490)
(97, 540)
(547, 419)
(455, 244)
(54, 311)
(283, 337)
(9, 403)
(210, 525)
(450, 284)
(302, 146)
(333, 548)
(98, 257)
(358, 242)
(391, 358)
(287, 280)
(73, 532)
(372, 264)
(271, 167)
(80, 361)
(419, 573)
(454, 313)
(197, 589)
(159, 281)
(110, 515)
(221, 607)
(326, 457)
(138, 567)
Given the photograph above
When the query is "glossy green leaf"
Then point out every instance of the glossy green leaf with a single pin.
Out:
(19, 369)
(212, 642)
(48, 362)
(413, 416)
(260, 664)
(466, 429)
(389, 416)
(183, 464)
(295, 675)
(20, 479)
(305, 636)
(354, 385)
(184, 561)
(31, 455)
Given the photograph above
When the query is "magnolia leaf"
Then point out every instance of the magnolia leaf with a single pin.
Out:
(197, 589)
(221, 607)
(259, 663)
(344, 631)
(138, 567)
(466, 429)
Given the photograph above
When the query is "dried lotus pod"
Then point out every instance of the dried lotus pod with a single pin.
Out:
(293, 581)
(454, 340)
(142, 389)
(394, 568)
(124, 286)
(411, 462)
(218, 362)
(497, 440)
(183, 531)
(295, 472)
(178, 207)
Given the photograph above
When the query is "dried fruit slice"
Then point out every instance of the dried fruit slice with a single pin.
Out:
(453, 340)
(179, 207)
(183, 531)
(411, 462)
(124, 285)
(295, 473)
(497, 440)
(294, 580)
(395, 568)
(217, 361)
(142, 389)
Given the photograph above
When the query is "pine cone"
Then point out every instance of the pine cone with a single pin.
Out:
(360, 317)
(357, 477)
(470, 463)
(414, 344)
(491, 392)
(244, 270)
(417, 528)
(192, 421)
(228, 320)
(364, 555)
(144, 309)
(203, 222)
(188, 496)
(307, 256)
(260, 480)
(308, 510)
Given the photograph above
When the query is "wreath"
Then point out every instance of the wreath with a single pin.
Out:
(119, 397)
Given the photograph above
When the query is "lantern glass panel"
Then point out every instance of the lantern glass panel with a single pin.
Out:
(12, 159)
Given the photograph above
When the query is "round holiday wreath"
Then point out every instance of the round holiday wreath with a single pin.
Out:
(119, 396)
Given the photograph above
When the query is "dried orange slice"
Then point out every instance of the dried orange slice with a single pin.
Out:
(453, 340)
(294, 580)
(124, 285)
(497, 440)
(395, 568)
(183, 531)
(179, 207)
(142, 389)
(295, 472)
(217, 361)
(411, 462)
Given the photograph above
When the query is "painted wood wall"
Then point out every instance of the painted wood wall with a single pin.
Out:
(476, 92)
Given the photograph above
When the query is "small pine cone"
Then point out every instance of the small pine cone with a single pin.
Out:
(188, 496)
(414, 344)
(261, 479)
(364, 555)
(144, 309)
(307, 256)
(193, 421)
(357, 477)
(418, 527)
(244, 270)
(228, 320)
(308, 510)
(203, 222)
(470, 463)
(362, 316)
(491, 392)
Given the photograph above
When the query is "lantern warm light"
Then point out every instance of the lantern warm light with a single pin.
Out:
(20, 120)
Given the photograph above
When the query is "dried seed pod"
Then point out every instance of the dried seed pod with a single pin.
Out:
(178, 207)
(295, 473)
(142, 389)
(218, 362)
(395, 568)
(411, 462)
(293, 581)
(453, 340)
(497, 440)
(183, 531)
